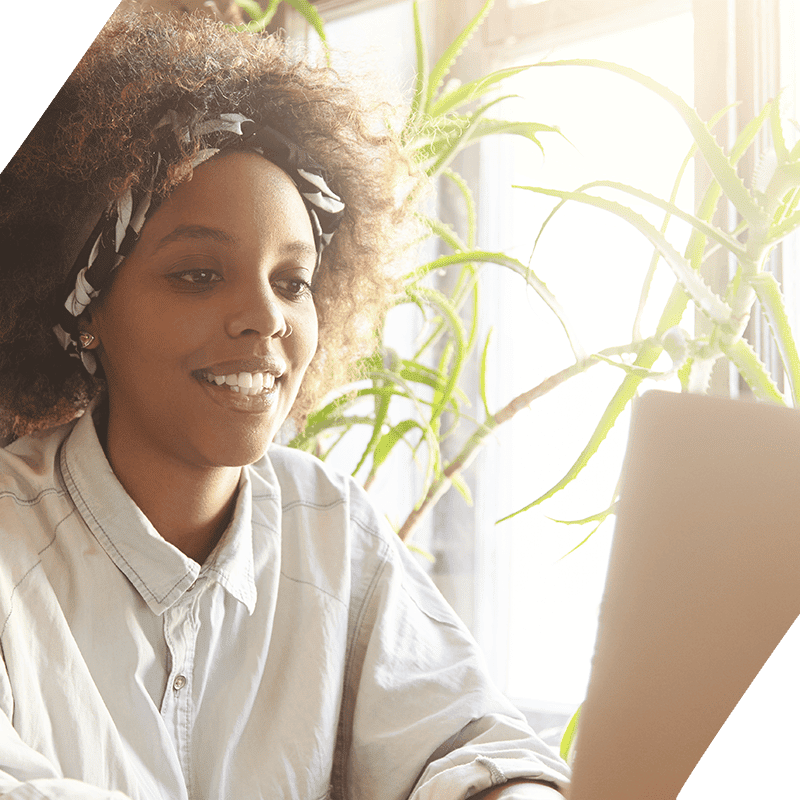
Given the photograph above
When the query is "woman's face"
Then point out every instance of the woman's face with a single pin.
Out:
(209, 325)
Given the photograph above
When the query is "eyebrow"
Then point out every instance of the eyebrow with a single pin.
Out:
(298, 249)
(301, 249)
(183, 232)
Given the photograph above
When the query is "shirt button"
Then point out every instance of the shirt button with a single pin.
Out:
(179, 682)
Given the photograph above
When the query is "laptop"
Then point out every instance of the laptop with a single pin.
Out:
(703, 583)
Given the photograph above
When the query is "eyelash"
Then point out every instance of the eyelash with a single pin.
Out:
(182, 277)
(302, 287)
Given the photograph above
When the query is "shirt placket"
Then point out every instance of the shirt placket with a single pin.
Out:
(181, 624)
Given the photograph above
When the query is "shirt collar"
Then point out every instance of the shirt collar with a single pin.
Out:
(160, 572)
(231, 562)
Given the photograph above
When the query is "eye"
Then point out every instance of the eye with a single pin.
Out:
(197, 279)
(295, 288)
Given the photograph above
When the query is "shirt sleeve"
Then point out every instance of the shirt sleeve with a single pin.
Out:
(26, 774)
(427, 721)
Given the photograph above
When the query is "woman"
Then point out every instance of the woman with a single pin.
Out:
(195, 242)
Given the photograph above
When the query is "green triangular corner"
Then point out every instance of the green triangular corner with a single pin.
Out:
(40, 43)
(755, 752)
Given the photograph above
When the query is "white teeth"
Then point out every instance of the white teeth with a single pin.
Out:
(246, 383)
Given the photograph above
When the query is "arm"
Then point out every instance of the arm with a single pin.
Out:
(25, 772)
(27, 775)
(427, 721)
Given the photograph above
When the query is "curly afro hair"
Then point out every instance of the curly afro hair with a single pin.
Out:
(96, 139)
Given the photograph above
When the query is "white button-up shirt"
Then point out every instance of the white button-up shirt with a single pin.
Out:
(308, 658)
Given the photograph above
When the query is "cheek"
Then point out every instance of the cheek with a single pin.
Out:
(148, 333)
(310, 338)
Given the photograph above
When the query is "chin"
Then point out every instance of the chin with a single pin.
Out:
(240, 454)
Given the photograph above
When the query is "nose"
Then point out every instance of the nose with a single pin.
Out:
(256, 311)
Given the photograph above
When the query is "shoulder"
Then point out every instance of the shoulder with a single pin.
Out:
(29, 470)
(307, 482)
(378, 554)
(313, 490)
(33, 501)
(332, 536)
(304, 479)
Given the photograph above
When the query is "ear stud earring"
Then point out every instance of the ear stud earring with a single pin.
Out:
(85, 338)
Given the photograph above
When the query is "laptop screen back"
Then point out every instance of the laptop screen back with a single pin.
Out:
(703, 582)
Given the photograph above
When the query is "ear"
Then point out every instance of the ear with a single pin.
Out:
(88, 335)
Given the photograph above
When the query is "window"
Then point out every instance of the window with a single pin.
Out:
(594, 263)
(534, 613)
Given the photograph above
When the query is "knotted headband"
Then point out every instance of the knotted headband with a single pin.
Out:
(119, 227)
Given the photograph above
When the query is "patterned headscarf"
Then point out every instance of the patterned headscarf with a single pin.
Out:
(119, 227)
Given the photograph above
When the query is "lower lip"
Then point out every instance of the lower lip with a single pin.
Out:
(235, 401)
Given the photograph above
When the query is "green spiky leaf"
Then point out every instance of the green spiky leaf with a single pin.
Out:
(462, 488)
(390, 439)
(420, 95)
(450, 55)
(488, 257)
(470, 92)
(771, 300)
(311, 16)
(706, 300)
(719, 163)
(752, 369)
(566, 748)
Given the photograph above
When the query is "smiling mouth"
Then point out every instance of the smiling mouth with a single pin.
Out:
(243, 383)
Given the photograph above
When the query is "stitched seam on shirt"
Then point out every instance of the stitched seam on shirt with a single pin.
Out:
(33, 567)
(189, 667)
(114, 547)
(267, 496)
(365, 605)
(313, 586)
(22, 501)
(344, 734)
(225, 581)
(11, 599)
(263, 525)
(376, 534)
(117, 551)
(223, 576)
(308, 504)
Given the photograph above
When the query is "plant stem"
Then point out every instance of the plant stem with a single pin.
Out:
(474, 443)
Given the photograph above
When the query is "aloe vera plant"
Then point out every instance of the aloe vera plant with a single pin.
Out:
(415, 399)
(445, 117)
(260, 17)
(767, 215)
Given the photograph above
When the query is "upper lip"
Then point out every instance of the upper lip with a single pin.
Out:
(268, 364)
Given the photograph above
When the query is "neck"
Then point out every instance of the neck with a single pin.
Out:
(189, 506)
